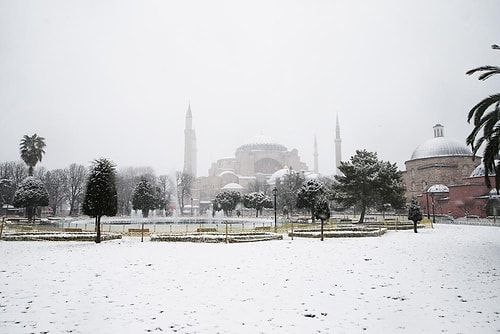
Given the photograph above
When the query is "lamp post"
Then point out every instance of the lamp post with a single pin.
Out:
(428, 211)
(275, 193)
(433, 212)
(191, 207)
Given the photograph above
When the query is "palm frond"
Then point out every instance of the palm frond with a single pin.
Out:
(480, 108)
(483, 68)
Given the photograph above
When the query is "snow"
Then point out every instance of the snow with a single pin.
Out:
(445, 279)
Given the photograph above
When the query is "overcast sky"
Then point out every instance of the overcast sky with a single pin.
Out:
(114, 78)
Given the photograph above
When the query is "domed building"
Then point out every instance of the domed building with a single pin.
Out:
(253, 165)
(439, 160)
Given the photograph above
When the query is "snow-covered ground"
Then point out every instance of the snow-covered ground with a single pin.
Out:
(441, 280)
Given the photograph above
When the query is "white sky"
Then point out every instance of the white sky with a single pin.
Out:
(114, 78)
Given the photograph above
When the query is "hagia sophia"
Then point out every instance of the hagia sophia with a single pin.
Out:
(441, 172)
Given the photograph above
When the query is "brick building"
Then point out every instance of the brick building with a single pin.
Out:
(447, 165)
(439, 160)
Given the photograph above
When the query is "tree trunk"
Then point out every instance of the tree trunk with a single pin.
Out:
(362, 216)
(98, 229)
(415, 226)
(322, 224)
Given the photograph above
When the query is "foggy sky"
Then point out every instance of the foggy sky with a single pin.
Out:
(114, 78)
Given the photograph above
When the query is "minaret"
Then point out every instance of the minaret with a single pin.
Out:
(338, 148)
(189, 145)
(315, 155)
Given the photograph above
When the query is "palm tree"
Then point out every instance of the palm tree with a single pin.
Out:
(31, 149)
(488, 120)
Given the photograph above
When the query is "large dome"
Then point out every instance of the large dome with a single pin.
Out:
(262, 143)
(440, 147)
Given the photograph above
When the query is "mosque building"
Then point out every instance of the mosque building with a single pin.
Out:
(256, 163)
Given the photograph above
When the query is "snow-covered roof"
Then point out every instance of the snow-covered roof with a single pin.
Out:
(227, 172)
(438, 188)
(233, 186)
(481, 171)
(440, 147)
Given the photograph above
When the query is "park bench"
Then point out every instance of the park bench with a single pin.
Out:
(72, 229)
(138, 230)
(206, 229)
(263, 228)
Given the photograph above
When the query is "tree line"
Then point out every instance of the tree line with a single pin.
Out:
(365, 182)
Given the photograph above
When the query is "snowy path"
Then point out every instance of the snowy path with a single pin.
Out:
(441, 280)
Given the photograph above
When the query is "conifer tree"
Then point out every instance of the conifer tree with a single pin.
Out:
(414, 213)
(100, 197)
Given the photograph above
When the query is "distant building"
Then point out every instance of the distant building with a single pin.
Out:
(252, 166)
(446, 179)
(439, 160)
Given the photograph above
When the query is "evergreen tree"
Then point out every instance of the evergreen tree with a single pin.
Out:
(30, 194)
(100, 197)
(367, 182)
(414, 213)
(257, 201)
(32, 150)
(226, 201)
(145, 197)
(322, 211)
(309, 194)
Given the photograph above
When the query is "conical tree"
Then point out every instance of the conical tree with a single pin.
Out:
(32, 150)
(100, 197)
(144, 197)
(486, 117)
(414, 213)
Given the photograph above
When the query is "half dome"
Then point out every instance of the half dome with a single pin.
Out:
(481, 171)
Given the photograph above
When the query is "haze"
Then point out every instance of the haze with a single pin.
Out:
(114, 78)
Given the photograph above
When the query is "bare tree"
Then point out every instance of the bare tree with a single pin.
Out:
(76, 176)
(56, 184)
(184, 183)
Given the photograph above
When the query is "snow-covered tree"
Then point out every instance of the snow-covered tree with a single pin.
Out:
(414, 213)
(257, 201)
(309, 194)
(226, 201)
(287, 188)
(367, 182)
(100, 196)
(12, 173)
(32, 150)
(30, 194)
(144, 197)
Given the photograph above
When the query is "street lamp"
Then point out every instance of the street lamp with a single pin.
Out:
(428, 211)
(191, 207)
(275, 193)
